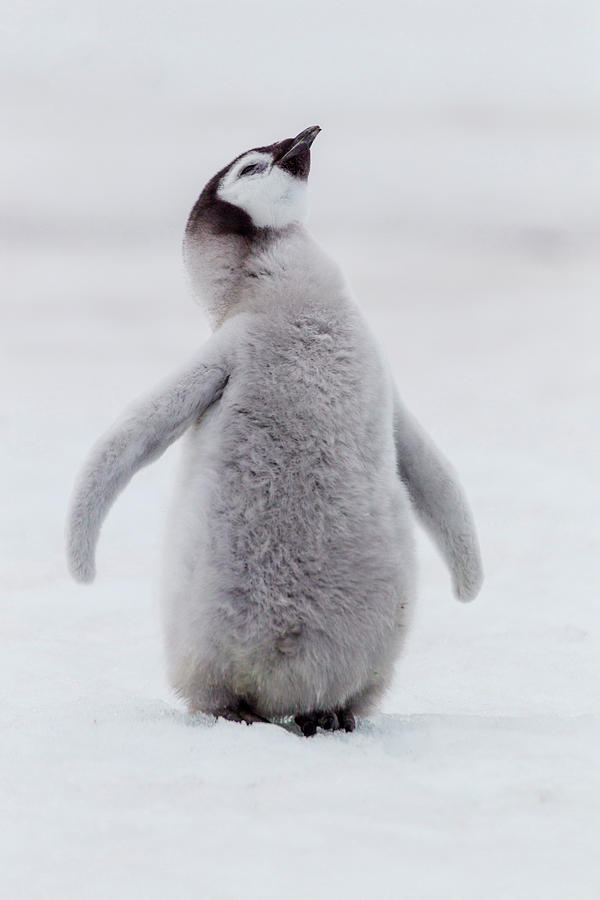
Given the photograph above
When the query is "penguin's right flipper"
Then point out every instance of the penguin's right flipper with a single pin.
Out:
(138, 438)
(439, 501)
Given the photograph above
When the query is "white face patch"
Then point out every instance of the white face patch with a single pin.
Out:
(272, 197)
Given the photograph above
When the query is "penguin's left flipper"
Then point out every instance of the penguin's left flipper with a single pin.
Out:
(439, 501)
(138, 438)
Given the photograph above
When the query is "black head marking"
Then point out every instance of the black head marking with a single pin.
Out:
(218, 216)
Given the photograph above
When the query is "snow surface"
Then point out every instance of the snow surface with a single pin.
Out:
(471, 244)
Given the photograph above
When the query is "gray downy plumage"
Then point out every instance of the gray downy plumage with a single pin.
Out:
(290, 571)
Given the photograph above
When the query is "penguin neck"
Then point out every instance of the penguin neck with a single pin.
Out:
(231, 274)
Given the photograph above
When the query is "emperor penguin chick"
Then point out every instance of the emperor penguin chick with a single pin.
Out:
(290, 570)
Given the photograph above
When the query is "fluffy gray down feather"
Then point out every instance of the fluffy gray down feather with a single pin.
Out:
(289, 574)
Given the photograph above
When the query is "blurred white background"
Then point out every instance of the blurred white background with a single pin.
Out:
(458, 120)
(457, 181)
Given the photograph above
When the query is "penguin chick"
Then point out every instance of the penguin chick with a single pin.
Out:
(290, 571)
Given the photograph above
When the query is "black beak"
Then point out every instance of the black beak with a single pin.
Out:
(301, 142)
(293, 154)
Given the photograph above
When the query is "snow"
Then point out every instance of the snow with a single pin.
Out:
(471, 245)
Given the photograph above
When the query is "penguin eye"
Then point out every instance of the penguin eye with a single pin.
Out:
(251, 169)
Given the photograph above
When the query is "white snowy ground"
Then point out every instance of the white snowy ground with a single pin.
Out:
(468, 227)
(479, 779)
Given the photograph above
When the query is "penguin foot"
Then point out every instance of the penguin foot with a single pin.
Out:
(240, 713)
(328, 720)
(307, 723)
(346, 719)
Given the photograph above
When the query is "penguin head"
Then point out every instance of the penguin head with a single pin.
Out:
(263, 188)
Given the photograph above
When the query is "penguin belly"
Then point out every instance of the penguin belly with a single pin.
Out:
(290, 571)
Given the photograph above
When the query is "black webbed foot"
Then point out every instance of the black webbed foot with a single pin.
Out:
(327, 719)
(307, 723)
(346, 720)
